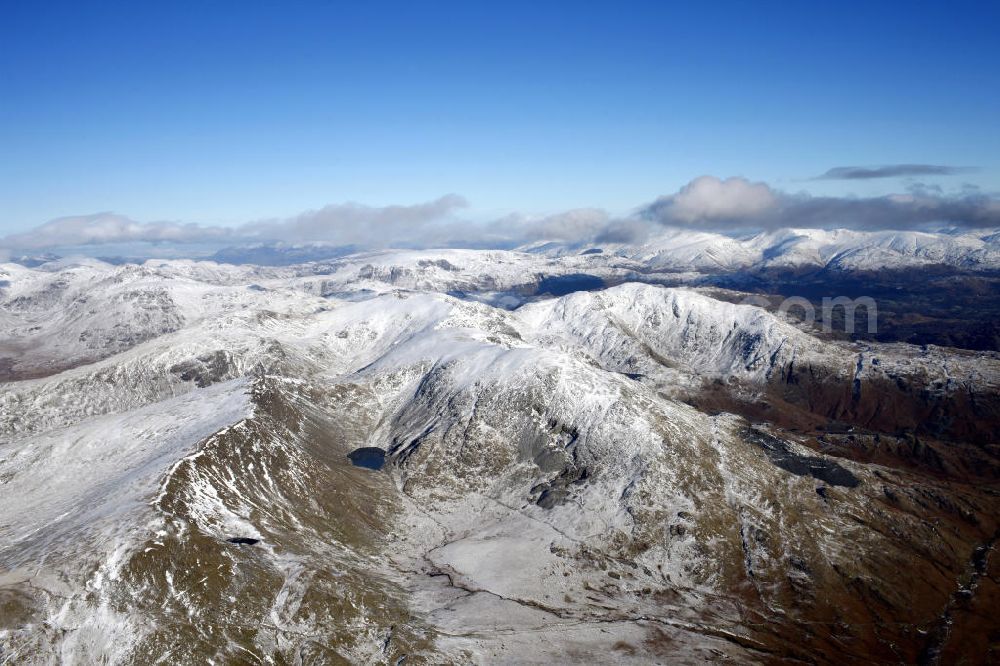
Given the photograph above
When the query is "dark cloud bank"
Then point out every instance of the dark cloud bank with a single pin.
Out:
(733, 205)
(891, 171)
(738, 204)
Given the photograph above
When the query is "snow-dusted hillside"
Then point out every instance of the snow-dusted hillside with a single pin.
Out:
(586, 478)
(641, 330)
(842, 249)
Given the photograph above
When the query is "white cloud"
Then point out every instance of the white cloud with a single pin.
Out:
(102, 228)
(353, 223)
(709, 198)
(342, 224)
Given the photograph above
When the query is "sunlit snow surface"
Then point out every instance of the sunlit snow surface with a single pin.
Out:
(552, 491)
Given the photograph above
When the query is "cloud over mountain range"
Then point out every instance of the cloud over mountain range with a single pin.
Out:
(731, 205)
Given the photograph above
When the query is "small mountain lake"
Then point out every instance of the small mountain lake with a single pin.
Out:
(370, 457)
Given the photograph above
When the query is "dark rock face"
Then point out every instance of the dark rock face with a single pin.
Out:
(896, 420)
(561, 460)
(205, 370)
(901, 404)
(558, 489)
(439, 263)
(779, 452)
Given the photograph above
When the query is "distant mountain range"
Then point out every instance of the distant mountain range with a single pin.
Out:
(682, 250)
(801, 248)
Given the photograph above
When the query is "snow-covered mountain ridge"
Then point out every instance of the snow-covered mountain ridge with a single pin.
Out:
(840, 249)
(636, 473)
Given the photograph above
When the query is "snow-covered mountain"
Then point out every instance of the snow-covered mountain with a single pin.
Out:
(634, 473)
(842, 249)
(676, 250)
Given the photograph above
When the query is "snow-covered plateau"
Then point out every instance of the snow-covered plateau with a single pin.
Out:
(573, 473)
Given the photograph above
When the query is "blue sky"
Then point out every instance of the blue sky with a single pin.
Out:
(224, 112)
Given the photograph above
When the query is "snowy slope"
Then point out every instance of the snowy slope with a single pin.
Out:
(65, 482)
(637, 328)
(554, 489)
